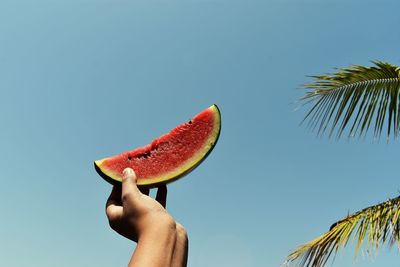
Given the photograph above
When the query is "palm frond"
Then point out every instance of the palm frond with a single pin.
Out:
(353, 98)
(376, 225)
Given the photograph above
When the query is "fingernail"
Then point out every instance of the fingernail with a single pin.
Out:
(128, 172)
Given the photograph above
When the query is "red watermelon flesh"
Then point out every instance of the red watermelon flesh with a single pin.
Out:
(170, 156)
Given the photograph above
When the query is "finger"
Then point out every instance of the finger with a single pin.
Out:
(113, 204)
(145, 191)
(114, 212)
(161, 196)
(129, 187)
(115, 196)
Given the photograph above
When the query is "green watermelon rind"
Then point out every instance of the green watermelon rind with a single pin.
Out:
(168, 180)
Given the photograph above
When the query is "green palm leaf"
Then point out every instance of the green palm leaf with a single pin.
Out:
(376, 225)
(353, 98)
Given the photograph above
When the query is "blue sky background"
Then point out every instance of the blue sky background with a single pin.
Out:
(81, 80)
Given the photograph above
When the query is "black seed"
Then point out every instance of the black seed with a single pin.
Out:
(129, 157)
(190, 122)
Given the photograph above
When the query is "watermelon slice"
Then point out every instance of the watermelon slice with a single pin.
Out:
(170, 156)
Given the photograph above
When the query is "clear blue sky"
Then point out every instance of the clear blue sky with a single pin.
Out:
(81, 80)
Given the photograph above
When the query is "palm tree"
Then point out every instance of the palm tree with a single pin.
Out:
(350, 101)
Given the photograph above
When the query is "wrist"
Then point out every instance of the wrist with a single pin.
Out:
(181, 247)
(181, 233)
(156, 244)
(157, 226)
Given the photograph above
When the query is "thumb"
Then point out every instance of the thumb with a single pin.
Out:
(129, 187)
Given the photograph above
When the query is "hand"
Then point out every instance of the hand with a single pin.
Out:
(133, 214)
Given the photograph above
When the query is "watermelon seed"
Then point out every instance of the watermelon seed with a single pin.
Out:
(129, 157)
(190, 122)
(145, 155)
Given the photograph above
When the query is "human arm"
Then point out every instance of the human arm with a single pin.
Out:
(162, 242)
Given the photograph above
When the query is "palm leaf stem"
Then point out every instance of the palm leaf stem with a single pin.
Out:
(376, 225)
(354, 98)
